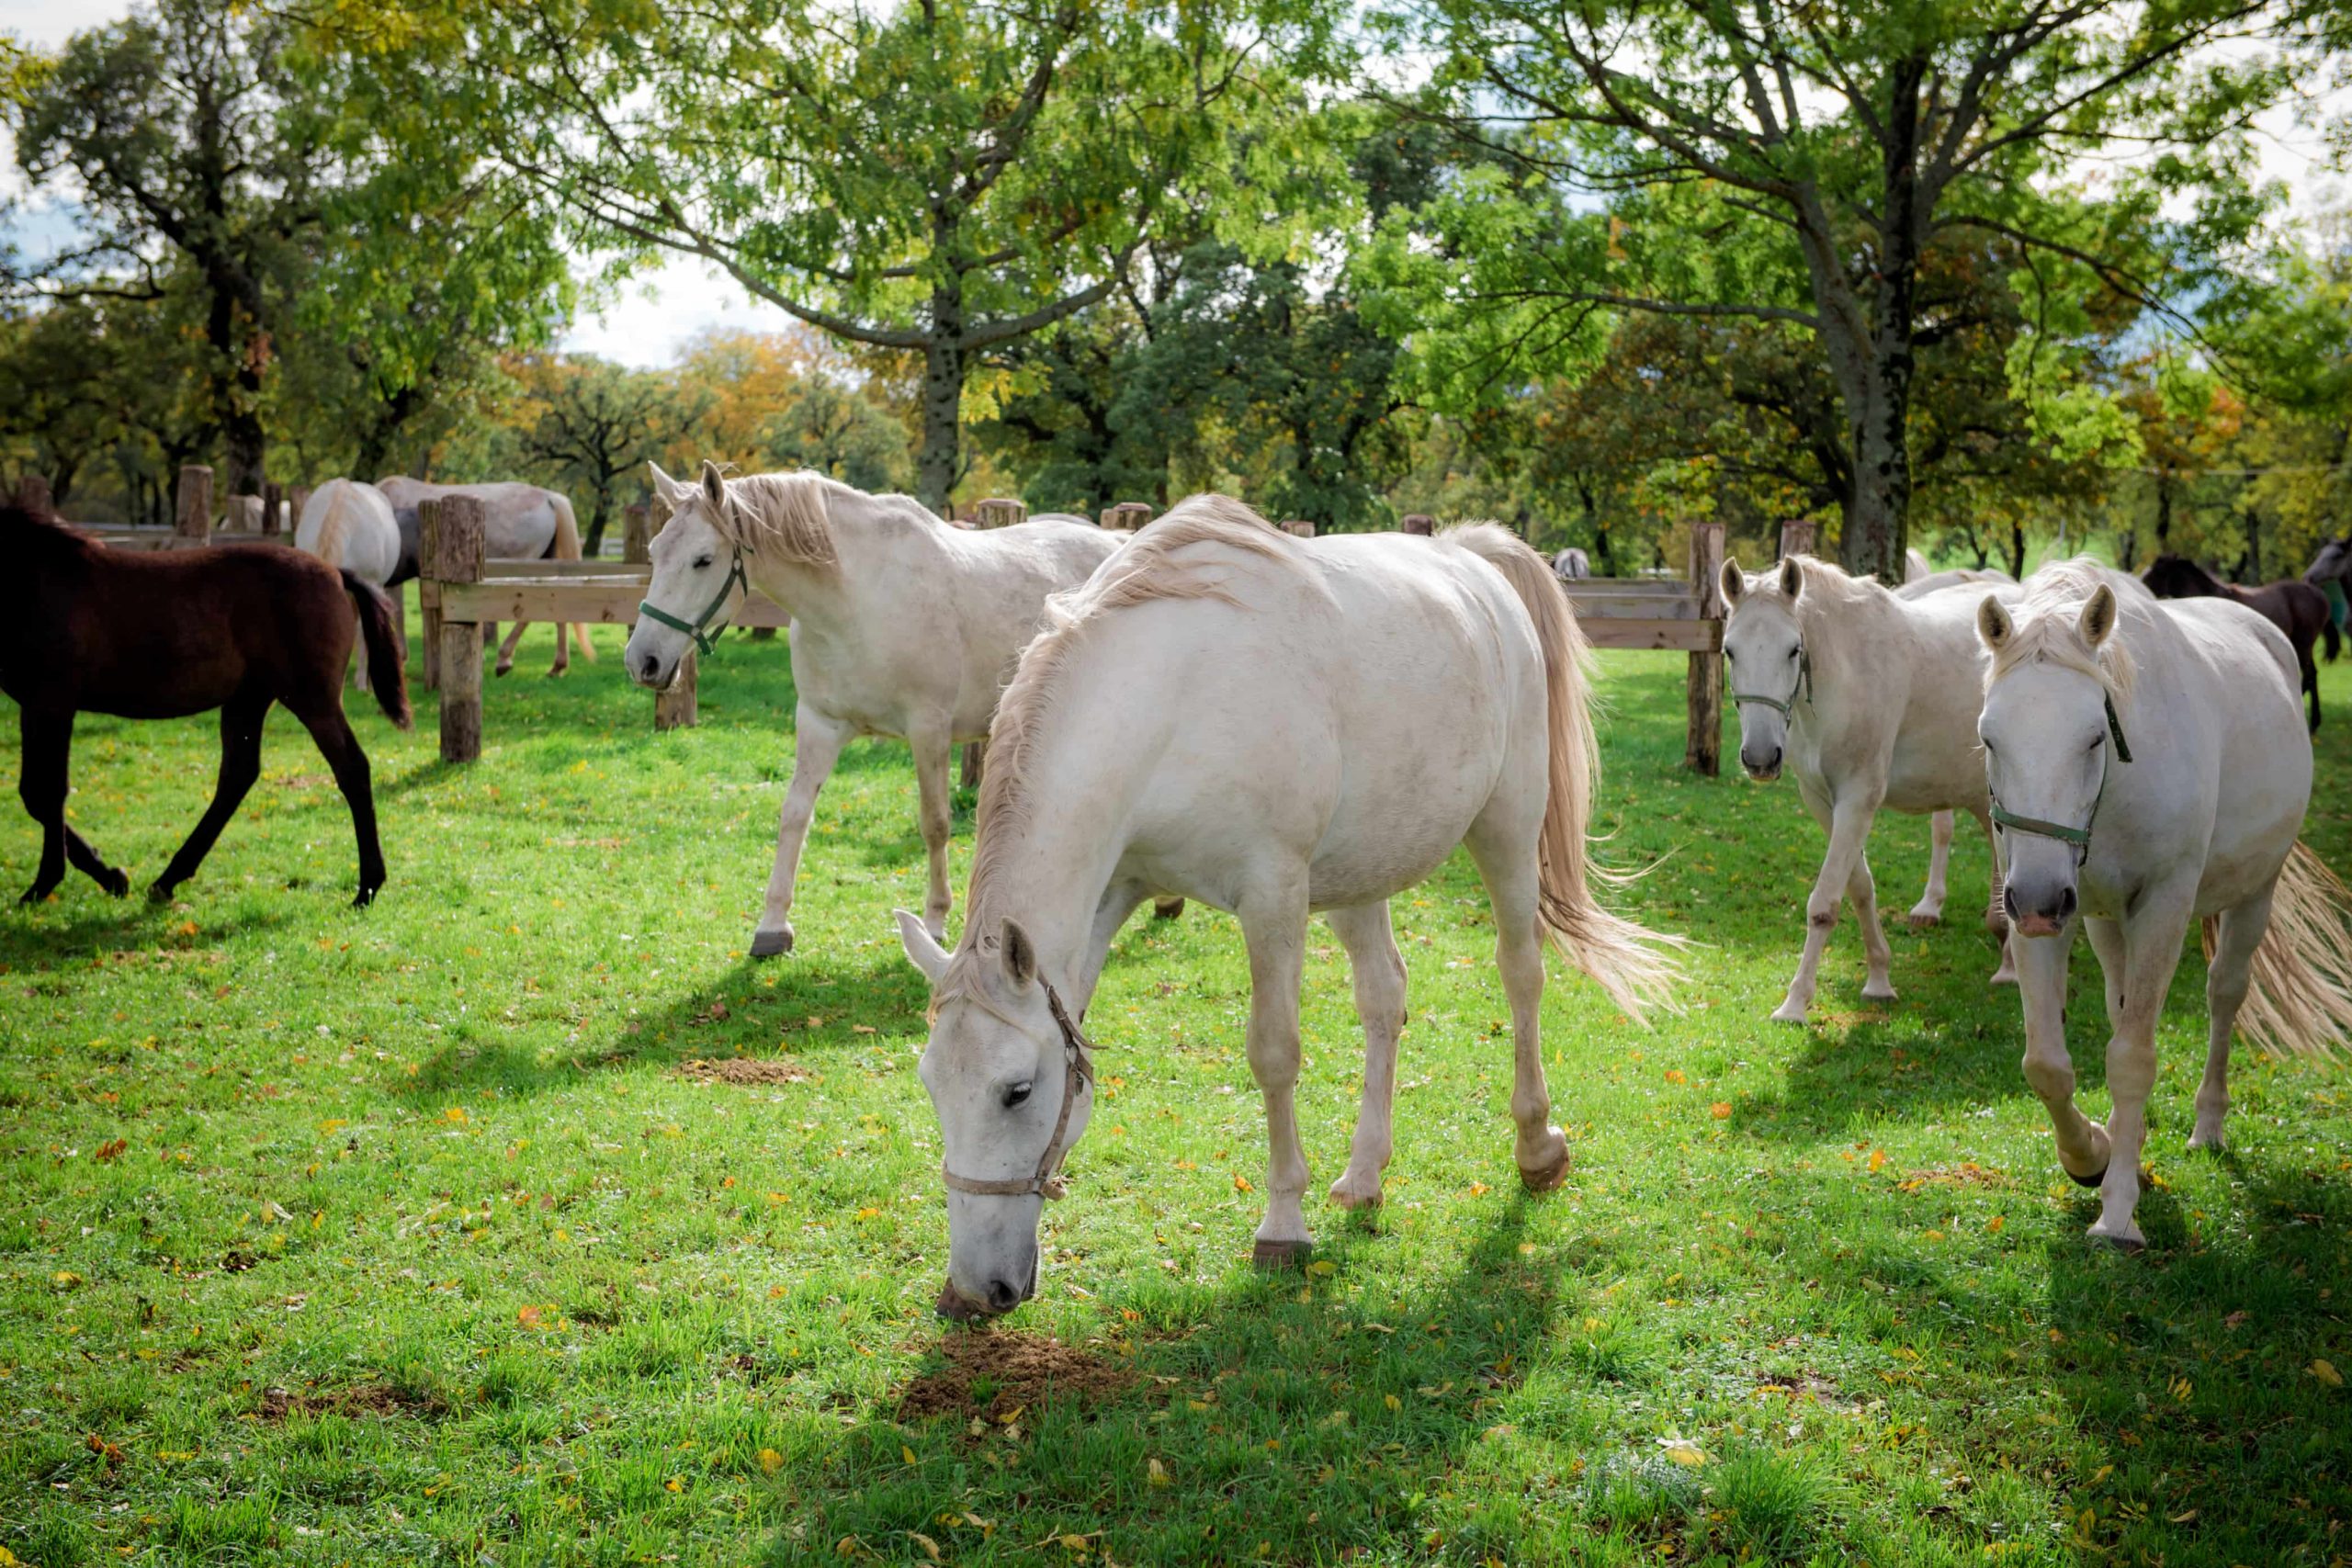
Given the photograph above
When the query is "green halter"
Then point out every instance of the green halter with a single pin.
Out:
(2080, 838)
(694, 628)
(1804, 692)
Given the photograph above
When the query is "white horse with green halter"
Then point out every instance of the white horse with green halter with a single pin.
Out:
(1273, 725)
(901, 626)
(2149, 765)
(1869, 698)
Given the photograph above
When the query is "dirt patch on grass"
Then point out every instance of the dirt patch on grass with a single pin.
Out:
(376, 1399)
(992, 1374)
(1967, 1173)
(749, 1071)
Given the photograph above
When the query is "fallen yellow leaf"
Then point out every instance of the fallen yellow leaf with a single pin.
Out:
(2326, 1371)
(769, 1462)
(906, 1453)
(1878, 1159)
(930, 1546)
(1157, 1471)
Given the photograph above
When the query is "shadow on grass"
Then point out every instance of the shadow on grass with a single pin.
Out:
(735, 1013)
(104, 925)
(1259, 1421)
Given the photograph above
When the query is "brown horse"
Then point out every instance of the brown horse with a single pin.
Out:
(234, 626)
(2296, 608)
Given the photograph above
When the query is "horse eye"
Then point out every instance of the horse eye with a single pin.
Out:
(1015, 1095)
(701, 562)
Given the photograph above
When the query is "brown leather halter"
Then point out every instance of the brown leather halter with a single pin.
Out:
(1078, 1068)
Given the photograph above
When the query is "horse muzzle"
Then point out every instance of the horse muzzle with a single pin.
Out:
(1000, 1297)
(2040, 913)
(1763, 767)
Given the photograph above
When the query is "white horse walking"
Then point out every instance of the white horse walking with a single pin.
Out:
(350, 523)
(2150, 765)
(901, 626)
(1272, 726)
(1865, 695)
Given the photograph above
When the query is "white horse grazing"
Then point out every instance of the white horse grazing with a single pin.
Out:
(2149, 764)
(1865, 697)
(520, 522)
(901, 626)
(350, 523)
(1272, 726)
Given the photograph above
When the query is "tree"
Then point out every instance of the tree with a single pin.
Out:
(592, 422)
(168, 130)
(1796, 165)
(941, 180)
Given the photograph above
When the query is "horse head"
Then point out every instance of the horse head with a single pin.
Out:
(1764, 655)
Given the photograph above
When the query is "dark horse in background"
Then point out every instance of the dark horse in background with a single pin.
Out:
(161, 635)
(2296, 608)
(2327, 572)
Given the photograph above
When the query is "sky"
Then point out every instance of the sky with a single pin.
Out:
(648, 321)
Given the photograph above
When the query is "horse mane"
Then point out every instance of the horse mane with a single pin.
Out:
(1144, 571)
(27, 526)
(2045, 626)
(783, 516)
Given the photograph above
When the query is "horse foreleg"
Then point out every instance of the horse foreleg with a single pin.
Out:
(1929, 910)
(1849, 830)
(1274, 930)
(1996, 915)
(579, 636)
(2151, 937)
(1363, 930)
(241, 721)
(935, 807)
(2239, 931)
(506, 649)
(817, 740)
(2049, 1070)
(1877, 957)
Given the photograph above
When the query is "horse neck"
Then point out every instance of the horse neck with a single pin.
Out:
(1048, 859)
(1848, 644)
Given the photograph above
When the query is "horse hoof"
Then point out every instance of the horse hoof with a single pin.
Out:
(161, 892)
(2127, 1245)
(770, 945)
(115, 880)
(366, 896)
(1920, 922)
(2090, 1181)
(1167, 908)
(503, 669)
(35, 894)
(1277, 1256)
(1881, 991)
(1345, 1197)
(1548, 1179)
(1788, 1013)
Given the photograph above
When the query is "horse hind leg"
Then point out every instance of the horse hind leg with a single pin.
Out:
(332, 733)
(1929, 910)
(42, 785)
(506, 649)
(1505, 853)
(2237, 935)
(1877, 957)
(1379, 970)
(1996, 917)
(240, 723)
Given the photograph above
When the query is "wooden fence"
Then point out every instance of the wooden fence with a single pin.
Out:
(461, 594)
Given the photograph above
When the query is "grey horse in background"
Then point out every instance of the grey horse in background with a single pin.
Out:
(1571, 565)
(520, 522)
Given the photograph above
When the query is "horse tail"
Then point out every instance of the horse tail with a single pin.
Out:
(2299, 989)
(2334, 638)
(387, 659)
(328, 543)
(1622, 958)
(566, 547)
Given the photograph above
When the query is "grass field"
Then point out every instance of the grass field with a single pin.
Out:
(409, 1235)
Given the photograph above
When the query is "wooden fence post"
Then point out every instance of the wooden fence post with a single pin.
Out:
(1703, 753)
(674, 707)
(1299, 526)
(1420, 523)
(32, 493)
(273, 509)
(297, 498)
(637, 533)
(192, 511)
(457, 543)
(1126, 516)
(242, 515)
(999, 512)
(1797, 535)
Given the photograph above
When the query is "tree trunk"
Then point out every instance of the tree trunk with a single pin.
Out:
(2016, 551)
(2163, 514)
(942, 403)
(593, 546)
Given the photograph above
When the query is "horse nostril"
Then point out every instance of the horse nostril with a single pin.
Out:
(2066, 903)
(647, 667)
(1003, 1296)
(2009, 901)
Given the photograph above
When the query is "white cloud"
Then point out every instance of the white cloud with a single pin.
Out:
(649, 320)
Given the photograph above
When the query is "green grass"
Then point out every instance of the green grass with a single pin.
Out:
(417, 1248)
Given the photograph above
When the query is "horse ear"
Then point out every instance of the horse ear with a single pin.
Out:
(2098, 616)
(1735, 582)
(1791, 575)
(668, 489)
(1020, 955)
(714, 488)
(1993, 623)
(922, 952)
